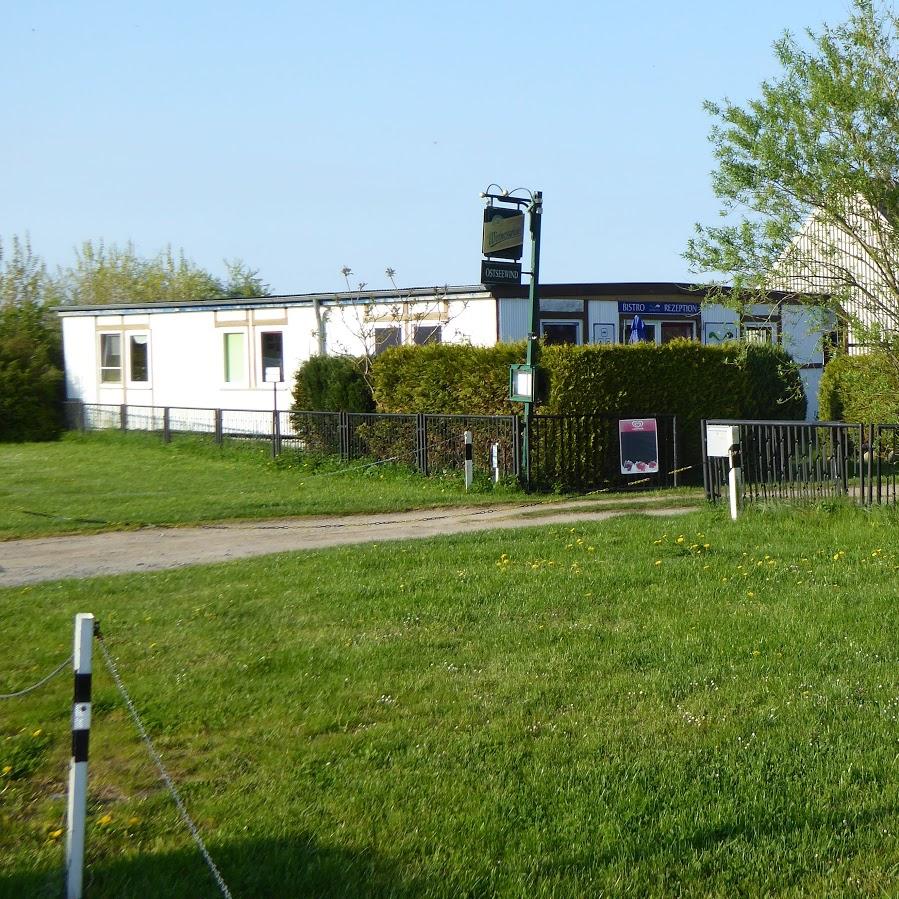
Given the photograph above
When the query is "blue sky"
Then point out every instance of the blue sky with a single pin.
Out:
(301, 137)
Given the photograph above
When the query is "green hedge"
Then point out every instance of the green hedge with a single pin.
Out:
(860, 388)
(31, 378)
(683, 378)
(332, 384)
(445, 378)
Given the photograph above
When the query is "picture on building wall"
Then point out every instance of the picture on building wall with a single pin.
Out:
(638, 439)
(603, 333)
(718, 332)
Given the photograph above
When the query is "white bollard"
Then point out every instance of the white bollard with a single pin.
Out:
(734, 480)
(81, 724)
(494, 462)
(469, 461)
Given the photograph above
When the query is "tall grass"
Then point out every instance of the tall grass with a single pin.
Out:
(640, 707)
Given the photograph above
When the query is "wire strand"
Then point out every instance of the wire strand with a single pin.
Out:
(40, 683)
(163, 773)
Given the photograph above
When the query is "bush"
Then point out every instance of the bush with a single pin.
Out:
(445, 378)
(860, 389)
(683, 378)
(332, 384)
(31, 378)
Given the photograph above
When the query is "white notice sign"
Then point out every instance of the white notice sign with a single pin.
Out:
(720, 438)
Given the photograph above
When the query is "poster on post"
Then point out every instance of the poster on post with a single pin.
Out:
(639, 443)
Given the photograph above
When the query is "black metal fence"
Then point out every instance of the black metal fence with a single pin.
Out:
(581, 452)
(430, 443)
(810, 461)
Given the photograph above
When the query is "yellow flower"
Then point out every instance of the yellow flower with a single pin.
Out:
(133, 820)
(7, 769)
(658, 562)
(106, 819)
(680, 539)
(37, 733)
(55, 834)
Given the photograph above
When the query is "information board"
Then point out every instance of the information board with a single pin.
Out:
(639, 442)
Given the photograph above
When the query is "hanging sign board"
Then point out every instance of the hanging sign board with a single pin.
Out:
(503, 232)
(273, 374)
(500, 272)
(638, 439)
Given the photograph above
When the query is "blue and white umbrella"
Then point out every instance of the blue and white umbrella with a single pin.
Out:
(638, 330)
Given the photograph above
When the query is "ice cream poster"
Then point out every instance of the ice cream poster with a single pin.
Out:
(639, 443)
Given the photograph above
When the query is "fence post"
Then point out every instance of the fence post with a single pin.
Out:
(343, 435)
(166, 425)
(82, 418)
(219, 438)
(674, 442)
(421, 442)
(123, 417)
(469, 461)
(81, 723)
(706, 479)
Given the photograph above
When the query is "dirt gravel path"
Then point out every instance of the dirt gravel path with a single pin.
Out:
(153, 549)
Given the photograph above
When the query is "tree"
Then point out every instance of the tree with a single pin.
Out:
(366, 314)
(808, 178)
(23, 275)
(31, 379)
(111, 274)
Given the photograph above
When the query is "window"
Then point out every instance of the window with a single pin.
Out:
(760, 332)
(139, 358)
(235, 366)
(386, 338)
(427, 334)
(271, 345)
(662, 331)
(110, 358)
(560, 332)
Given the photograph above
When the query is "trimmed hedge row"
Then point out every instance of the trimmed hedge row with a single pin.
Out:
(683, 378)
(332, 384)
(860, 388)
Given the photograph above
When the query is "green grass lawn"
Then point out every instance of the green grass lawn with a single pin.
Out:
(639, 707)
(105, 481)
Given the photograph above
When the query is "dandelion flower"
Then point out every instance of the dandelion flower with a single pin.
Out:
(37, 733)
(658, 562)
(106, 819)
(55, 834)
(7, 769)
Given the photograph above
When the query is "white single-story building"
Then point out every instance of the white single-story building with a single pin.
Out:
(223, 353)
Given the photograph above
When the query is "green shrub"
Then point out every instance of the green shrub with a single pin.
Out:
(445, 378)
(31, 378)
(332, 384)
(860, 388)
(683, 378)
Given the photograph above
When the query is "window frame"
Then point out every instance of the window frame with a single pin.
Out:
(244, 381)
(576, 323)
(261, 334)
(102, 336)
(132, 382)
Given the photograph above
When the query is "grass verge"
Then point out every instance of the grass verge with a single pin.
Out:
(640, 707)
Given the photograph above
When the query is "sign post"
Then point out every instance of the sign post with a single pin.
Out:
(723, 441)
(503, 238)
(272, 374)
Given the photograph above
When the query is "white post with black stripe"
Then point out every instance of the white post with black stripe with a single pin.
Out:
(469, 461)
(81, 724)
(494, 461)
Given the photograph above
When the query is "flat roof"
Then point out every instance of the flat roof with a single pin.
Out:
(585, 290)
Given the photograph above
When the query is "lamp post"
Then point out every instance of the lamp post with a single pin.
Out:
(523, 379)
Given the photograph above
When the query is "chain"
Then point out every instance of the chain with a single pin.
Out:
(40, 683)
(163, 774)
